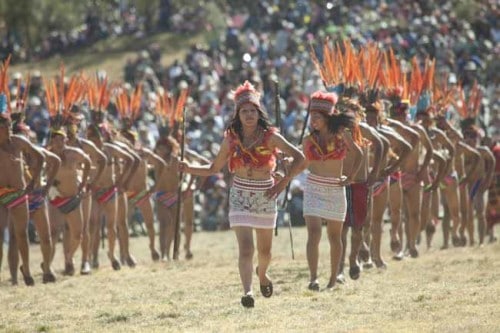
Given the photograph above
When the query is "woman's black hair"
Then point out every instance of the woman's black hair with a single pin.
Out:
(337, 122)
(236, 126)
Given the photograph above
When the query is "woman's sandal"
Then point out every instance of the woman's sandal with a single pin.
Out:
(247, 301)
(266, 291)
(314, 286)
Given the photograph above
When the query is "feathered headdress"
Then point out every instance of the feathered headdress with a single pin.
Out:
(61, 98)
(99, 95)
(442, 95)
(395, 84)
(340, 69)
(129, 106)
(421, 85)
(4, 90)
(246, 93)
(170, 110)
(370, 61)
(468, 108)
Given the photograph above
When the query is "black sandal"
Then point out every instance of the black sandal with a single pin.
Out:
(314, 286)
(266, 291)
(247, 301)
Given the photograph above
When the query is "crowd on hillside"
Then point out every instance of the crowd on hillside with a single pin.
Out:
(272, 43)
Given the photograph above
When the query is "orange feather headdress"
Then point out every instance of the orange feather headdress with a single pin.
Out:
(170, 109)
(61, 98)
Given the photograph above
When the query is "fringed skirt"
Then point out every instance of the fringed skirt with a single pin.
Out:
(324, 198)
(248, 205)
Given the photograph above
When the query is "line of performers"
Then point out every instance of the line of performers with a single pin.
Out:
(380, 137)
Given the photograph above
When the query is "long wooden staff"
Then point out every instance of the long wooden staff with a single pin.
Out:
(179, 190)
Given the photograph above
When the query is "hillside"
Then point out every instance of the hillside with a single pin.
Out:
(111, 54)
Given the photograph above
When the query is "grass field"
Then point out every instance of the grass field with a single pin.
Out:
(442, 291)
(111, 54)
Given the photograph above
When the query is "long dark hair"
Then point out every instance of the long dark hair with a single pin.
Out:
(236, 125)
(336, 122)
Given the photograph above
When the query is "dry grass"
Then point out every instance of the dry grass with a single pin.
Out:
(442, 291)
(112, 54)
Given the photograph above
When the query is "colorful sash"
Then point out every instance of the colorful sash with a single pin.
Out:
(66, 205)
(449, 179)
(104, 195)
(137, 198)
(11, 198)
(379, 186)
(35, 200)
(167, 199)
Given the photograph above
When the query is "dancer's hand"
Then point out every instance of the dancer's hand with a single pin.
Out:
(277, 188)
(183, 167)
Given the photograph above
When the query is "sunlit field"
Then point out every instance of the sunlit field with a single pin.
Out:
(442, 291)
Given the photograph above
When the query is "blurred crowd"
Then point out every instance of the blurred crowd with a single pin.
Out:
(270, 41)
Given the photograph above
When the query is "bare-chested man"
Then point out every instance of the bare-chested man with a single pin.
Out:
(168, 149)
(37, 203)
(98, 160)
(13, 190)
(442, 167)
(480, 182)
(413, 172)
(66, 194)
(357, 193)
(138, 193)
(114, 181)
(395, 151)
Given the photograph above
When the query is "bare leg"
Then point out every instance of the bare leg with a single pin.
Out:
(312, 248)
(465, 208)
(74, 222)
(264, 245)
(244, 235)
(19, 220)
(334, 231)
(41, 219)
(122, 227)
(147, 212)
(395, 205)
(480, 207)
(94, 232)
(13, 255)
(162, 213)
(86, 210)
(412, 201)
(110, 209)
(379, 204)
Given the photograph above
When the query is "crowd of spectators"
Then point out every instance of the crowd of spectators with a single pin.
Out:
(271, 40)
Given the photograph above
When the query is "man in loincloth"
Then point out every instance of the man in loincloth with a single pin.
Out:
(357, 193)
(396, 150)
(66, 194)
(14, 188)
(138, 193)
(441, 169)
(98, 160)
(463, 152)
(113, 182)
(37, 203)
(413, 172)
(168, 149)
(480, 182)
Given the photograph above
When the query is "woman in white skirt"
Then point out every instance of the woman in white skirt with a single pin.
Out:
(249, 147)
(324, 192)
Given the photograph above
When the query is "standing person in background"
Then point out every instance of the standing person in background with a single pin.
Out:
(249, 147)
(324, 193)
